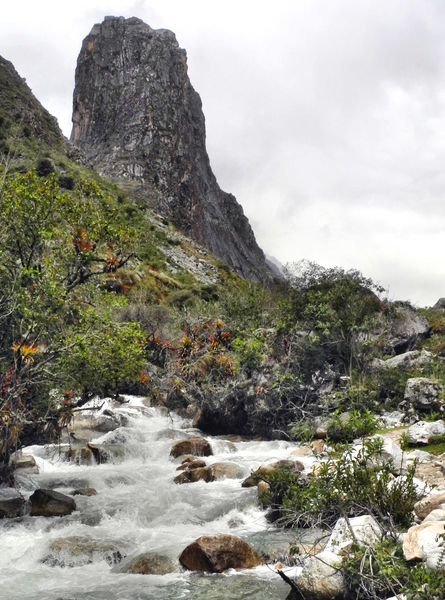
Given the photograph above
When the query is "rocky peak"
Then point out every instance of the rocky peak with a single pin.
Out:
(139, 121)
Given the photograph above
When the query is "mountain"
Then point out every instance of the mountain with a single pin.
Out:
(139, 121)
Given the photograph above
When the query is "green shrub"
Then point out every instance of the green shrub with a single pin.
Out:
(346, 427)
(44, 167)
(356, 484)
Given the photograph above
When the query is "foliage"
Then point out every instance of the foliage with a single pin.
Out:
(381, 571)
(357, 483)
(346, 427)
(54, 248)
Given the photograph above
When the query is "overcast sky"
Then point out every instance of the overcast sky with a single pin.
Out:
(325, 118)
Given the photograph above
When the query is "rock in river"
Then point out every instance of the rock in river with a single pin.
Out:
(197, 446)
(47, 503)
(217, 553)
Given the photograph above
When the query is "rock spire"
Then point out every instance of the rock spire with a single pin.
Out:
(139, 121)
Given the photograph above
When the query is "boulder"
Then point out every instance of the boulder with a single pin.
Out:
(405, 361)
(428, 504)
(215, 554)
(80, 455)
(318, 446)
(191, 476)
(23, 461)
(192, 464)
(421, 432)
(423, 393)
(10, 504)
(303, 451)
(226, 471)
(365, 529)
(74, 551)
(406, 330)
(438, 514)
(87, 491)
(320, 578)
(148, 564)
(47, 503)
(423, 542)
(195, 445)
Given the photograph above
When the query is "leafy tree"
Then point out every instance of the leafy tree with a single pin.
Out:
(55, 247)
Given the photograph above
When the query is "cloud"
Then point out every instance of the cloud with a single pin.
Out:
(325, 119)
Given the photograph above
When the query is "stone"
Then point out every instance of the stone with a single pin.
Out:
(23, 461)
(303, 451)
(139, 121)
(422, 542)
(148, 564)
(193, 464)
(88, 491)
(365, 529)
(47, 503)
(195, 445)
(320, 578)
(421, 432)
(406, 330)
(194, 475)
(405, 361)
(423, 393)
(10, 505)
(226, 471)
(318, 446)
(428, 504)
(437, 514)
(74, 551)
(263, 488)
(249, 482)
(215, 554)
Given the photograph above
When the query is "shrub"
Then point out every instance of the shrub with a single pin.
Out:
(346, 427)
(44, 167)
(355, 484)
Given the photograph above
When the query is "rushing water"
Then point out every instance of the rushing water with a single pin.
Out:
(139, 508)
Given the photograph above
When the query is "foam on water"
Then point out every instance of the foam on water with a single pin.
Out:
(139, 508)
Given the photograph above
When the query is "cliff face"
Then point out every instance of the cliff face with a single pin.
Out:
(139, 121)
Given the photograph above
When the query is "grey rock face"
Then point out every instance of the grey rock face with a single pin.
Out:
(423, 393)
(139, 121)
(421, 432)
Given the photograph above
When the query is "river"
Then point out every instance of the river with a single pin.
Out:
(138, 508)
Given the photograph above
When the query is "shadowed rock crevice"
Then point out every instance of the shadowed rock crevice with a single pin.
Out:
(138, 119)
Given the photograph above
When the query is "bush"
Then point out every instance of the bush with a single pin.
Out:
(44, 167)
(346, 427)
(355, 484)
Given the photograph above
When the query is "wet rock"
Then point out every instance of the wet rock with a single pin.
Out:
(365, 529)
(423, 542)
(263, 488)
(195, 445)
(75, 551)
(423, 393)
(194, 475)
(192, 464)
(79, 455)
(10, 504)
(47, 503)
(89, 491)
(226, 471)
(103, 423)
(421, 432)
(215, 554)
(148, 564)
(428, 504)
(23, 461)
(320, 578)
(293, 465)
(249, 482)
